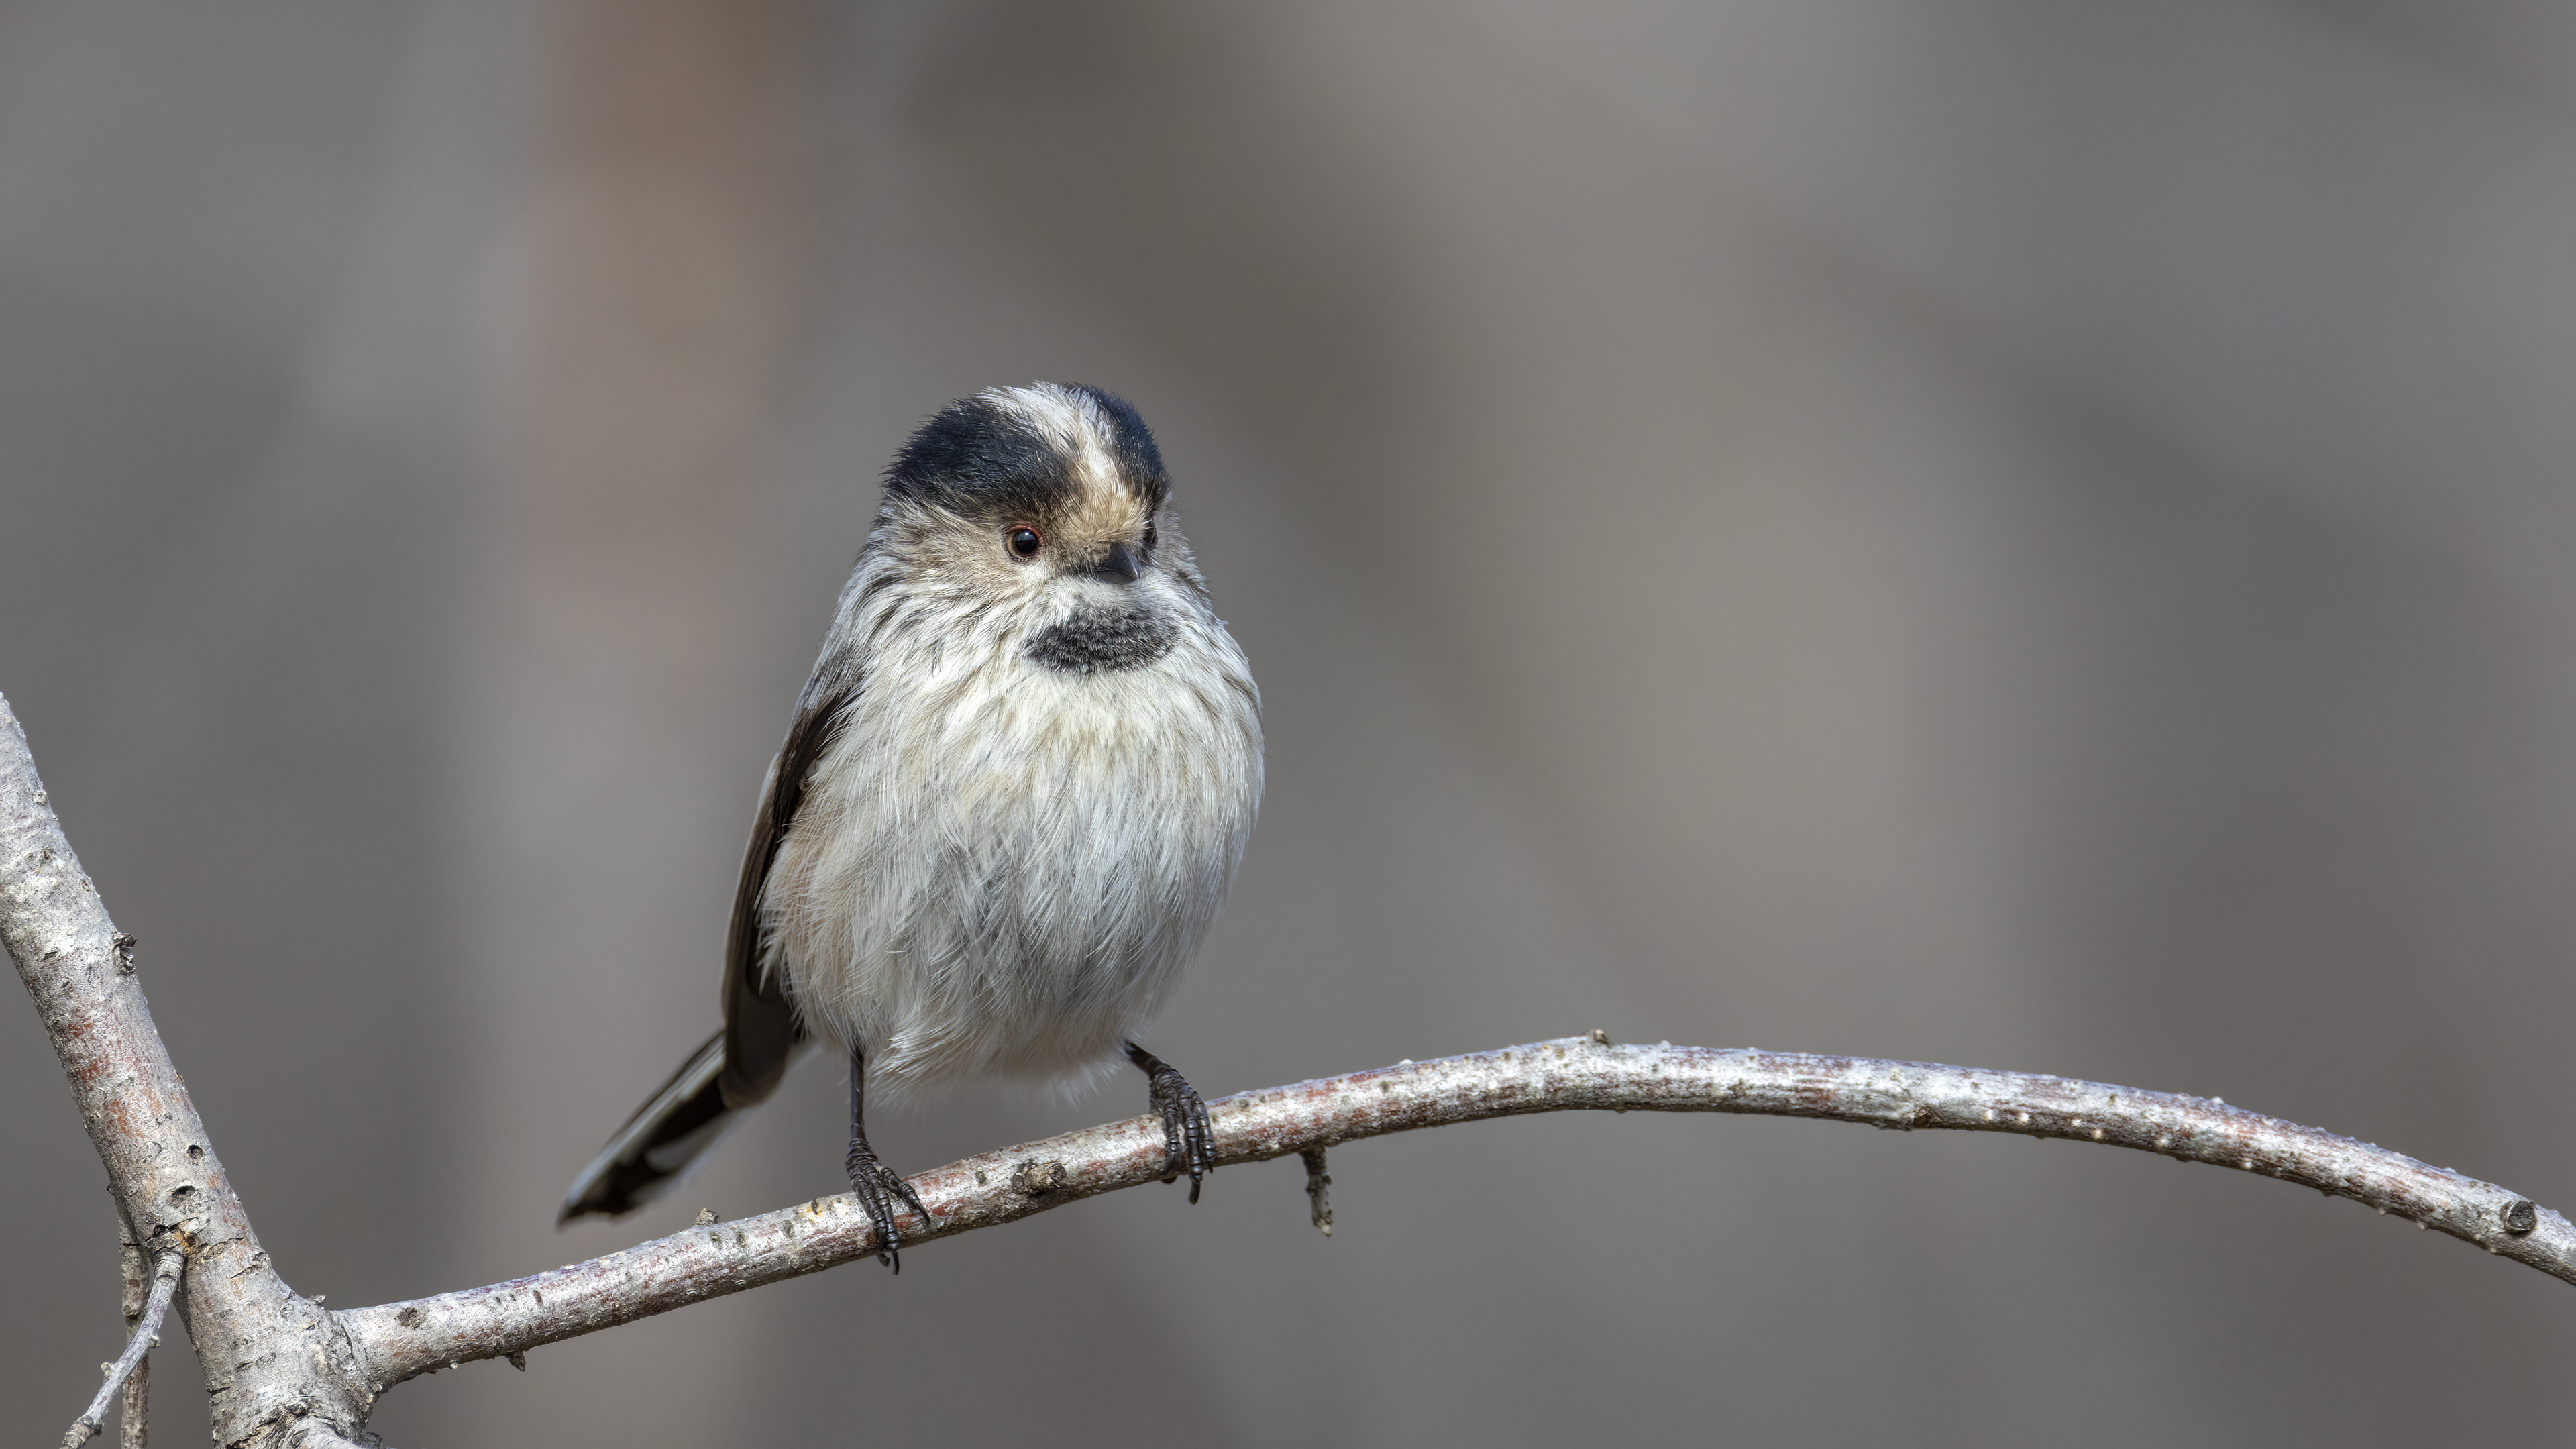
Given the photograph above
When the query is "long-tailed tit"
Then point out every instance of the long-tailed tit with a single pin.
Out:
(1012, 798)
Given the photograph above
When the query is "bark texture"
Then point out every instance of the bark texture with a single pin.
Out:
(398, 1340)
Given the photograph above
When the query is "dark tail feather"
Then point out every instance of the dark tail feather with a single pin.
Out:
(659, 1145)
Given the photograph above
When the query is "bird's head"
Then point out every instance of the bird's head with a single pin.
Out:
(1048, 506)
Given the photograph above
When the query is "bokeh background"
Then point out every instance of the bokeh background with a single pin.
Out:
(2011, 532)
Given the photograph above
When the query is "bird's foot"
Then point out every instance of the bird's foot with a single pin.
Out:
(879, 1188)
(1189, 1143)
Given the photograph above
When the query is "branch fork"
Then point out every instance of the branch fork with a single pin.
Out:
(168, 1261)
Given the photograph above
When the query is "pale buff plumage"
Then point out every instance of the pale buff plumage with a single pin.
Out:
(999, 870)
(1020, 788)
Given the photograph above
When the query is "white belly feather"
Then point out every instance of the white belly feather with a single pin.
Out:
(1002, 869)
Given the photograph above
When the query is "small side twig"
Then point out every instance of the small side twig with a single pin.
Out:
(132, 1424)
(1319, 1186)
(167, 1260)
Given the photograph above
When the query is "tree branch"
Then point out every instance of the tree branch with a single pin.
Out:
(398, 1340)
(161, 1166)
(287, 1373)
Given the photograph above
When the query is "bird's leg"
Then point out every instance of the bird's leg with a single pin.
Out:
(1189, 1143)
(876, 1185)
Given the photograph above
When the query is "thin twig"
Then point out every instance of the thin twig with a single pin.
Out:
(167, 1260)
(398, 1340)
(1319, 1191)
(132, 1422)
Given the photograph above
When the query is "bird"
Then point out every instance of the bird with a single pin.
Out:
(1011, 799)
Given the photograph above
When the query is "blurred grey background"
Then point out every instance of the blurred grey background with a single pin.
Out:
(2011, 532)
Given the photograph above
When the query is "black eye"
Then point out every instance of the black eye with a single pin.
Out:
(1025, 542)
(1149, 535)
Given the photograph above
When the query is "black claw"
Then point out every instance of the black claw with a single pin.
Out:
(872, 1181)
(878, 1188)
(1189, 1142)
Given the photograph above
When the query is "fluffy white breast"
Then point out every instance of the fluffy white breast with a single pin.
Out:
(1000, 868)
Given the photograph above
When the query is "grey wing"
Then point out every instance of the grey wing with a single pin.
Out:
(761, 1032)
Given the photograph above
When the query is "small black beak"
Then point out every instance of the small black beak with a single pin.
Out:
(1118, 563)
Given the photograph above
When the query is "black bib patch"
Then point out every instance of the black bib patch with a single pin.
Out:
(1100, 639)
